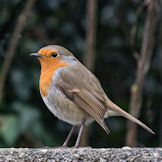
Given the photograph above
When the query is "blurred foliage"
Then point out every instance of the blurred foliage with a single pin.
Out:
(24, 119)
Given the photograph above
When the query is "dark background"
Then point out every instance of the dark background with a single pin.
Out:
(24, 119)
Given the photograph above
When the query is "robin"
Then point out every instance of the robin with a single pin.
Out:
(72, 93)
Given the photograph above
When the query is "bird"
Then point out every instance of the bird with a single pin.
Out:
(74, 94)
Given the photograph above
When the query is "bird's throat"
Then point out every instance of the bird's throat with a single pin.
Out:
(48, 68)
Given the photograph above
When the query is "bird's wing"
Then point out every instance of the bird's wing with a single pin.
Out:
(84, 89)
(81, 89)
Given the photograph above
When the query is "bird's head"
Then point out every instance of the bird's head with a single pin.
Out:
(54, 55)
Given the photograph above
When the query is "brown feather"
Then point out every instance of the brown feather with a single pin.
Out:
(123, 113)
(85, 101)
(84, 89)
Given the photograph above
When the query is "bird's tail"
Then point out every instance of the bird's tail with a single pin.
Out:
(123, 113)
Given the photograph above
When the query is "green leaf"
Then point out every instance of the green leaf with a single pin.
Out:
(10, 129)
(27, 115)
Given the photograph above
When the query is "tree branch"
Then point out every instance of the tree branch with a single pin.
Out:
(13, 43)
(89, 58)
(133, 32)
(143, 65)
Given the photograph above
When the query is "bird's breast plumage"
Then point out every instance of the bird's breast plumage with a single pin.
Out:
(58, 103)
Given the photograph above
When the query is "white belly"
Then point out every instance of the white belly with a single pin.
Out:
(65, 109)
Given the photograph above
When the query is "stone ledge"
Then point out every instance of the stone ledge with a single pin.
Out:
(81, 154)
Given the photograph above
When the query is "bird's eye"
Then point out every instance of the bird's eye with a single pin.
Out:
(54, 54)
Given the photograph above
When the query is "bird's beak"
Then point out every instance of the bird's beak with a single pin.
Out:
(36, 55)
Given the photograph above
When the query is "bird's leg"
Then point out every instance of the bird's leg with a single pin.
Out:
(69, 137)
(79, 135)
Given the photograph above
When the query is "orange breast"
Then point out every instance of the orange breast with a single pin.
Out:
(48, 68)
